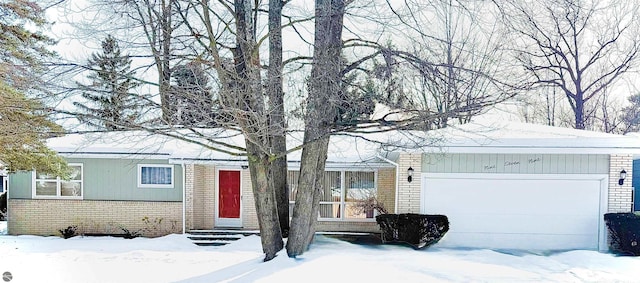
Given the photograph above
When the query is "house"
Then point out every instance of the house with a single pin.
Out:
(502, 185)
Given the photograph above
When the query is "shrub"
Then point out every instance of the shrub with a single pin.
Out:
(417, 230)
(68, 232)
(130, 234)
(3, 206)
(624, 233)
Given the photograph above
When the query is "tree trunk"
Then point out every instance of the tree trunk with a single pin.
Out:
(324, 92)
(579, 112)
(278, 168)
(163, 61)
(270, 235)
(256, 127)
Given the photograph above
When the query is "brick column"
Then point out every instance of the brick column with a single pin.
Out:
(409, 193)
(620, 195)
(188, 187)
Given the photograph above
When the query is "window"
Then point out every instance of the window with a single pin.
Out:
(47, 186)
(344, 194)
(155, 176)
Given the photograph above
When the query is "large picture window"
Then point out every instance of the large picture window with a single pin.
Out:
(343, 194)
(48, 186)
(155, 176)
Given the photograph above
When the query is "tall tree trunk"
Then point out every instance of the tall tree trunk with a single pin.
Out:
(163, 59)
(324, 92)
(278, 168)
(255, 127)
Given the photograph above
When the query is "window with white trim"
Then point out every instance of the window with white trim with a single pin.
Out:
(155, 176)
(343, 194)
(48, 186)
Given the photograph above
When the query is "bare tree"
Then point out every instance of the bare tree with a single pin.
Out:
(324, 89)
(226, 38)
(579, 47)
(461, 42)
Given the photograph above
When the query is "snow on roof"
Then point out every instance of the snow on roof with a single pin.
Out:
(342, 149)
(493, 137)
(516, 137)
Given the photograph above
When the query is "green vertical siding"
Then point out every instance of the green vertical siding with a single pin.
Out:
(110, 179)
(516, 163)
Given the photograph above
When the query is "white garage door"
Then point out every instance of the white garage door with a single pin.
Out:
(508, 211)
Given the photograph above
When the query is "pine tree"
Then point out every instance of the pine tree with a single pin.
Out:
(24, 122)
(110, 106)
(190, 100)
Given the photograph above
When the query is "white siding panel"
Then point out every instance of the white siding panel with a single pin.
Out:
(516, 163)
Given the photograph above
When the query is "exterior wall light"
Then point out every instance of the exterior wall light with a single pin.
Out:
(409, 174)
(623, 175)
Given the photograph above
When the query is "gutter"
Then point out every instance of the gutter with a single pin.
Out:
(395, 205)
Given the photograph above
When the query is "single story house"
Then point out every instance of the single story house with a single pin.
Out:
(502, 185)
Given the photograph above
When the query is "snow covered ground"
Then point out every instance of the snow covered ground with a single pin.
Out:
(175, 259)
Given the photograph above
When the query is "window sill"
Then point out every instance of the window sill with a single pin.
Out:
(57, 197)
(156, 186)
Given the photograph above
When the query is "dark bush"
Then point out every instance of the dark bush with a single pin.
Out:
(128, 234)
(417, 230)
(624, 233)
(3, 206)
(68, 232)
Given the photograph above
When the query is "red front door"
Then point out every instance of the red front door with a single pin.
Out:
(229, 194)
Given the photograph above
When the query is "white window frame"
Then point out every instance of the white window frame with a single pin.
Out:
(59, 182)
(343, 202)
(156, 186)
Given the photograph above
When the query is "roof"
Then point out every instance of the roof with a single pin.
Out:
(344, 151)
(515, 137)
(372, 149)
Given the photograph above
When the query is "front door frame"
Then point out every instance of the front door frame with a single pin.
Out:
(226, 222)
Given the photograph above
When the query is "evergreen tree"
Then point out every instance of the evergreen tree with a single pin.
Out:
(630, 115)
(24, 122)
(190, 100)
(110, 106)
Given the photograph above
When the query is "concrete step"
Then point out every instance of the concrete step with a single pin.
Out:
(218, 237)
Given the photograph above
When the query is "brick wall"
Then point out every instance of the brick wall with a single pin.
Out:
(46, 217)
(409, 193)
(387, 188)
(620, 196)
(249, 214)
(208, 197)
(346, 226)
(201, 199)
(198, 193)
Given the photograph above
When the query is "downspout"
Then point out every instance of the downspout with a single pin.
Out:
(184, 198)
(395, 204)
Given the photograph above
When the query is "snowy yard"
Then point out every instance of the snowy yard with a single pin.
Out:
(174, 258)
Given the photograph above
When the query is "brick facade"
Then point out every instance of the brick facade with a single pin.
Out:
(249, 214)
(200, 206)
(46, 217)
(620, 195)
(409, 192)
(387, 188)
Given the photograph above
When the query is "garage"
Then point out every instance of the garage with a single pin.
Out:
(518, 211)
